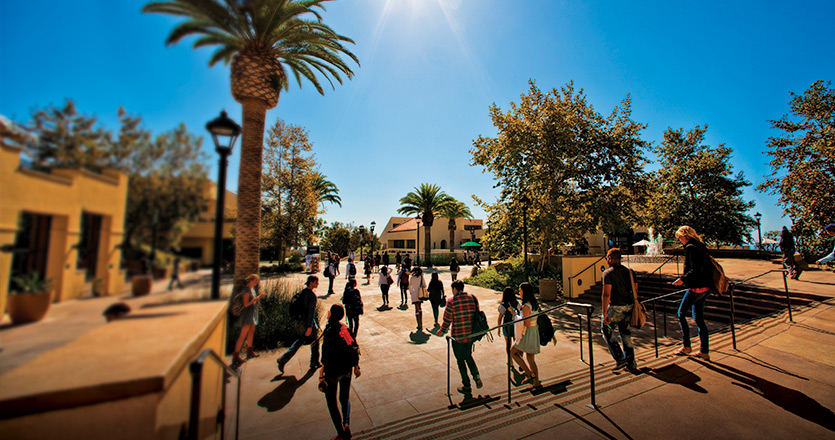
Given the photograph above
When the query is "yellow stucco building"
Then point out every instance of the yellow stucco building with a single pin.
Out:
(199, 241)
(401, 234)
(66, 224)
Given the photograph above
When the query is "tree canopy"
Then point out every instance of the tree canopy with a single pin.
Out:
(803, 162)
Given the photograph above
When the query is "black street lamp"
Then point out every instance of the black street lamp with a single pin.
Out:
(525, 201)
(759, 216)
(224, 133)
(417, 241)
(371, 236)
(362, 234)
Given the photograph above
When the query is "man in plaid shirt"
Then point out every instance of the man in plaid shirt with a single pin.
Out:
(459, 314)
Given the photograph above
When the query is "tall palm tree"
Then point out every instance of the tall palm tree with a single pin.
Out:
(265, 40)
(453, 211)
(426, 200)
(325, 190)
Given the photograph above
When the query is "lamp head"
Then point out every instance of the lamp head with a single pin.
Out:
(224, 132)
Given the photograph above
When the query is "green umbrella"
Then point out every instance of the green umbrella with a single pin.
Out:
(470, 244)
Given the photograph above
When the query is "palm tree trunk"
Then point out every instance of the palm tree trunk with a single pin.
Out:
(248, 224)
(451, 228)
(427, 246)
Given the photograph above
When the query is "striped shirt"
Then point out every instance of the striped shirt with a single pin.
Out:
(459, 313)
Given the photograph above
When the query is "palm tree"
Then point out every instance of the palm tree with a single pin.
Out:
(264, 40)
(325, 190)
(427, 200)
(453, 211)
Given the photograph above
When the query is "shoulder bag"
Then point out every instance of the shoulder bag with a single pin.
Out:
(639, 313)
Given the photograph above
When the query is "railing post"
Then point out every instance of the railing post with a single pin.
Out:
(580, 327)
(788, 298)
(589, 311)
(733, 328)
(655, 327)
(664, 313)
(448, 345)
(509, 372)
(194, 411)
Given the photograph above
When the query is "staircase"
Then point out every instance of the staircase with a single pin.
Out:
(749, 301)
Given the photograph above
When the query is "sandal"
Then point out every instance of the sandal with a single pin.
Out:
(704, 356)
(683, 351)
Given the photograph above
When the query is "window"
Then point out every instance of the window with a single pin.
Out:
(410, 244)
(443, 244)
(399, 244)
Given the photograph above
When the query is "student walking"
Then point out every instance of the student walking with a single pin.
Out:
(308, 328)
(437, 298)
(459, 316)
(403, 282)
(417, 284)
(331, 271)
(385, 283)
(454, 268)
(407, 262)
(508, 309)
(617, 301)
(352, 299)
(368, 267)
(398, 260)
(697, 276)
(175, 275)
(528, 340)
(247, 320)
(351, 270)
(787, 249)
(340, 357)
(386, 258)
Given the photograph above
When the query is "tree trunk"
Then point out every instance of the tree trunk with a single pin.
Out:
(427, 246)
(451, 235)
(248, 224)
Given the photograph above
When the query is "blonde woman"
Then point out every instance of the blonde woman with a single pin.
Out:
(248, 320)
(697, 276)
(416, 284)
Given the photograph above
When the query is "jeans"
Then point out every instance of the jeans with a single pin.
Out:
(464, 355)
(344, 383)
(330, 285)
(353, 324)
(696, 302)
(619, 316)
(314, 349)
(788, 261)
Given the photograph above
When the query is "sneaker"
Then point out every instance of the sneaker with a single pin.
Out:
(621, 365)
(632, 368)
(478, 382)
(465, 390)
(280, 366)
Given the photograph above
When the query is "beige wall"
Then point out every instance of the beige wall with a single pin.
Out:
(439, 232)
(574, 264)
(201, 234)
(63, 194)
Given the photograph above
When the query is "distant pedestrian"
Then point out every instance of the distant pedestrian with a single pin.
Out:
(508, 309)
(787, 249)
(340, 357)
(407, 262)
(398, 260)
(352, 300)
(454, 268)
(175, 274)
(458, 315)
(377, 260)
(351, 256)
(368, 268)
(386, 258)
(403, 282)
(697, 276)
(528, 340)
(417, 284)
(437, 297)
(247, 320)
(308, 328)
(617, 301)
(332, 271)
(351, 270)
(829, 230)
(385, 283)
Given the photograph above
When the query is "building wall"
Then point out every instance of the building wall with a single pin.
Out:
(63, 194)
(439, 233)
(201, 234)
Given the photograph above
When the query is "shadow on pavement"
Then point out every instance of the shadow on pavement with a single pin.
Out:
(283, 394)
(592, 425)
(419, 337)
(790, 400)
(677, 375)
(745, 356)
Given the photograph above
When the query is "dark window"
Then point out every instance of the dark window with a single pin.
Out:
(443, 244)
(88, 245)
(410, 244)
(31, 246)
(399, 244)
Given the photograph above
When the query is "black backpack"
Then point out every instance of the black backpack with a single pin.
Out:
(352, 269)
(353, 302)
(297, 309)
(326, 273)
(546, 329)
(341, 354)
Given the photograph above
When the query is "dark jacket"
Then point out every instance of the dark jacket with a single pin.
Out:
(698, 269)
(786, 240)
(309, 298)
(340, 352)
(436, 291)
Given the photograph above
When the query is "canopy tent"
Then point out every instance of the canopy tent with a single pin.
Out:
(641, 243)
(470, 244)
(770, 241)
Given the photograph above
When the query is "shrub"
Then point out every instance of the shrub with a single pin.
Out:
(275, 326)
(512, 273)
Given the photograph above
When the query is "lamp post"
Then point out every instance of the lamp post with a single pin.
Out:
(362, 233)
(224, 133)
(525, 201)
(489, 258)
(371, 236)
(417, 241)
(759, 216)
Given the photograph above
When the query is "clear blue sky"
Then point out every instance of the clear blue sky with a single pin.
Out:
(430, 70)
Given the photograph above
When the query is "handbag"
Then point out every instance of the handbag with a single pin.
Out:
(639, 313)
(443, 301)
(423, 295)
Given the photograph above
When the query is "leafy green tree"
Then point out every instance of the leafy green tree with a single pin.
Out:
(581, 171)
(326, 191)
(337, 238)
(265, 40)
(803, 164)
(695, 186)
(428, 201)
(289, 198)
(65, 138)
(453, 210)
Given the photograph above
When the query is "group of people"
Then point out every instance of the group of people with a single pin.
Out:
(787, 248)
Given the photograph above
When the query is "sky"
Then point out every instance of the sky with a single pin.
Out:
(429, 71)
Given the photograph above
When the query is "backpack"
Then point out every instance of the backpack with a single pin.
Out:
(345, 349)
(352, 269)
(236, 303)
(720, 281)
(297, 309)
(546, 329)
(480, 324)
(353, 302)
(327, 272)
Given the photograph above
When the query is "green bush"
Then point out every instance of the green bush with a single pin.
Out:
(275, 326)
(513, 274)
(282, 268)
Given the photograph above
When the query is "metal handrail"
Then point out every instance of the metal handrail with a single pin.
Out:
(196, 370)
(589, 309)
(653, 300)
(571, 285)
(657, 269)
